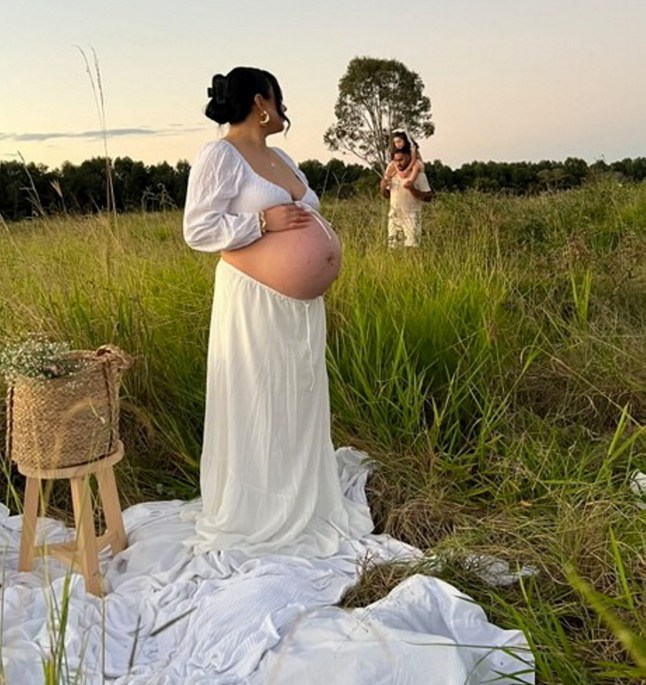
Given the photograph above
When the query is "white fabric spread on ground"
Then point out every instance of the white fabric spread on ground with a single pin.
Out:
(174, 618)
(638, 486)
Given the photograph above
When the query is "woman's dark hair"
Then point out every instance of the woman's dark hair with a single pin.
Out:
(404, 148)
(409, 143)
(232, 96)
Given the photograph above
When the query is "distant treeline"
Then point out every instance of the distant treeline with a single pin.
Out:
(33, 189)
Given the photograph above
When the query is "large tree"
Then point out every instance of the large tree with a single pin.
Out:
(377, 97)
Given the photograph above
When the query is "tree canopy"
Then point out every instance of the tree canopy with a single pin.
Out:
(377, 97)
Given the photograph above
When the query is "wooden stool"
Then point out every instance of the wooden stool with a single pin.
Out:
(84, 551)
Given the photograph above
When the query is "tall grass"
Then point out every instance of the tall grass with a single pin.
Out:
(495, 377)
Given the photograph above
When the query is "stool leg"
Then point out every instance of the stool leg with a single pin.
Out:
(85, 534)
(112, 509)
(29, 517)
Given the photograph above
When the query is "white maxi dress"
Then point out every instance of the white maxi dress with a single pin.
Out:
(268, 478)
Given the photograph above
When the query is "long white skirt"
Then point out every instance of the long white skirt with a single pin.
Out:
(269, 477)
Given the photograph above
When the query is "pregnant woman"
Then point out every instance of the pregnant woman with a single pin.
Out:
(268, 474)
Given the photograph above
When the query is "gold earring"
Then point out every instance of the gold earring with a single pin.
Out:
(264, 118)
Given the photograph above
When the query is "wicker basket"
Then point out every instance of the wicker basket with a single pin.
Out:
(74, 419)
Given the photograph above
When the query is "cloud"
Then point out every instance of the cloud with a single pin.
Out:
(97, 135)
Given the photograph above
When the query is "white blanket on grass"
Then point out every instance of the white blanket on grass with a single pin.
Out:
(173, 618)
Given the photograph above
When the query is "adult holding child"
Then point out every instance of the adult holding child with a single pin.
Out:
(268, 476)
(406, 186)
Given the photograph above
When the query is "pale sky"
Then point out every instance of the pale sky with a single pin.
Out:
(509, 80)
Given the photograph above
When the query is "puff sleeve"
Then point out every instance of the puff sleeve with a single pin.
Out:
(214, 180)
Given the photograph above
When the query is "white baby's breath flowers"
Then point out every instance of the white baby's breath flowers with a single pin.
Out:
(35, 357)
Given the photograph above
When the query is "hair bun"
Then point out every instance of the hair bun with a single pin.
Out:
(233, 97)
(218, 108)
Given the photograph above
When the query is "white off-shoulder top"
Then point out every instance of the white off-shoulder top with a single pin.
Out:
(225, 194)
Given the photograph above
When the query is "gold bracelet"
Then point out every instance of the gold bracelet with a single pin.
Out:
(263, 223)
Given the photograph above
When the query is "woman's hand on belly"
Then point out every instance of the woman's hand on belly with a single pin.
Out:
(285, 218)
(301, 264)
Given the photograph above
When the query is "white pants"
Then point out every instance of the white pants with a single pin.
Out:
(404, 229)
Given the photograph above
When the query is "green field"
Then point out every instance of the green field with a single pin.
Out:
(496, 376)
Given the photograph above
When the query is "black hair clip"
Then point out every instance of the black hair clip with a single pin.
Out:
(218, 89)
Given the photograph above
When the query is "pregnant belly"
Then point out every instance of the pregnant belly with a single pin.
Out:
(300, 263)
